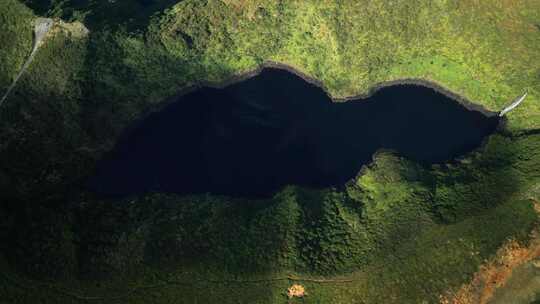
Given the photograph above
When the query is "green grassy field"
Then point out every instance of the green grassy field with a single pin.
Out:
(399, 233)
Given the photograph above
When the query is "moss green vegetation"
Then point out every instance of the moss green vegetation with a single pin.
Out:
(522, 286)
(398, 233)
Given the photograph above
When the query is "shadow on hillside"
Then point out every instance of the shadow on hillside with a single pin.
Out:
(495, 174)
(134, 14)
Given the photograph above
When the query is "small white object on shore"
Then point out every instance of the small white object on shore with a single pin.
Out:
(513, 105)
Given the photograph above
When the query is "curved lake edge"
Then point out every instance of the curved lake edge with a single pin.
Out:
(466, 105)
(241, 76)
(469, 105)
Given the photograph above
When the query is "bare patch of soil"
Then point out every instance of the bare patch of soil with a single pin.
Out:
(296, 291)
(496, 272)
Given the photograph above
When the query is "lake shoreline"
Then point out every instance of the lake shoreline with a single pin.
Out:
(282, 66)
(469, 105)
(426, 116)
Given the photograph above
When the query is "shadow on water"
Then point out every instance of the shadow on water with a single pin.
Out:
(253, 137)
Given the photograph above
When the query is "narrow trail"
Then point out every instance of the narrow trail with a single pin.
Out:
(41, 28)
(29, 285)
(451, 298)
(164, 283)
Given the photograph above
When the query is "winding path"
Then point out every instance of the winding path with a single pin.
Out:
(41, 28)
(29, 285)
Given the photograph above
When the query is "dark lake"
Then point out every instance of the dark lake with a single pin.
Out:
(253, 137)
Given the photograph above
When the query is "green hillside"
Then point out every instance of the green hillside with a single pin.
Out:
(398, 233)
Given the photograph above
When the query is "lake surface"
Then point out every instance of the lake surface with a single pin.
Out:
(253, 137)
